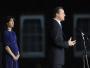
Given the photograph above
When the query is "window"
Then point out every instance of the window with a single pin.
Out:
(81, 24)
(32, 36)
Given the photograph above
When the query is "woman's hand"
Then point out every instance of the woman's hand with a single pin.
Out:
(9, 51)
(16, 57)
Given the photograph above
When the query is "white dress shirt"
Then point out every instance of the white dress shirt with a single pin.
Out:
(58, 22)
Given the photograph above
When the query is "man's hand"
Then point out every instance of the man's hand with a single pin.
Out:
(70, 42)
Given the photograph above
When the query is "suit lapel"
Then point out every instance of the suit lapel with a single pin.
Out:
(60, 30)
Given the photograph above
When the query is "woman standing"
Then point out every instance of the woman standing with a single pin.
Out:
(10, 45)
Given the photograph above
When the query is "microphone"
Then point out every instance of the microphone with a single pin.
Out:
(84, 35)
(81, 32)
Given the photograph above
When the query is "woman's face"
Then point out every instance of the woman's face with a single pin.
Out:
(10, 23)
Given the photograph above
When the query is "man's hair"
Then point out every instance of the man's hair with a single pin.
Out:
(56, 10)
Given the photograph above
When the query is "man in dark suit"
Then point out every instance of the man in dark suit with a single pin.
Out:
(56, 41)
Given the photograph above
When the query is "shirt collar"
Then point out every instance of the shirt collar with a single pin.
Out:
(57, 21)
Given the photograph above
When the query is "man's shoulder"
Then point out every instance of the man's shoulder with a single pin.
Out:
(52, 21)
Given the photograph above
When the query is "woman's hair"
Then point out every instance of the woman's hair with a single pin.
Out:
(7, 19)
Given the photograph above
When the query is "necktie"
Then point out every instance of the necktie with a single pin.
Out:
(60, 25)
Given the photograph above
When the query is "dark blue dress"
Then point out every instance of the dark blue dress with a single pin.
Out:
(10, 40)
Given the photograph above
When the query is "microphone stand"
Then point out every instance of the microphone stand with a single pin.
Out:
(85, 58)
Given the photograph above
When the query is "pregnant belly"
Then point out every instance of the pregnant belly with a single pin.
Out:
(14, 49)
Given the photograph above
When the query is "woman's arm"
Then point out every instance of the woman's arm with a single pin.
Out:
(8, 50)
(18, 55)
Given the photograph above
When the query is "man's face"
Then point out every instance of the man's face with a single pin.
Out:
(61, 15)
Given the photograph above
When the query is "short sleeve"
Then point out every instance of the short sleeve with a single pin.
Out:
(6, 39)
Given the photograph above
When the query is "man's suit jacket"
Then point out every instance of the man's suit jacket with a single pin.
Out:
(56, 42)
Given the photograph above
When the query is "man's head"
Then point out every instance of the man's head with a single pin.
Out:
(59, 13)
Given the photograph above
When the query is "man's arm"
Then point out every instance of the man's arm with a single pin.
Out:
(57, 37)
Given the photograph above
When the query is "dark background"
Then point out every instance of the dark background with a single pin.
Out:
(29, 7)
